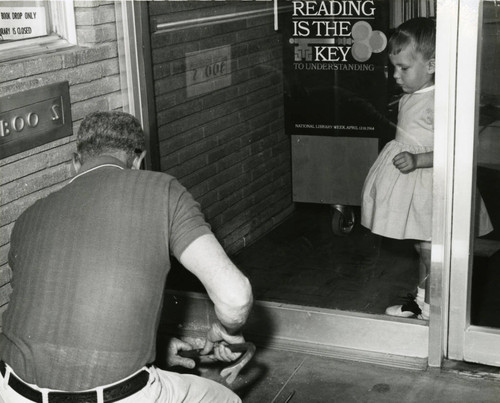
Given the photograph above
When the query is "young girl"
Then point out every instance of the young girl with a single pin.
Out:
(397, 194)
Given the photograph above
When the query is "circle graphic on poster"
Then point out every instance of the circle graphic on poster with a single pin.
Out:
(361, 31)
(361, 51)
(366, 41)
(378, 41)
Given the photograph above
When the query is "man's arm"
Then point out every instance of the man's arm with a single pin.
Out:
(227, 287)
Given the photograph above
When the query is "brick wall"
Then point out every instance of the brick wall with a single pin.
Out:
(92, 71)
(227, 146)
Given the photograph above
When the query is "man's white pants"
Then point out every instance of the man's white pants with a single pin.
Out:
(162, 387)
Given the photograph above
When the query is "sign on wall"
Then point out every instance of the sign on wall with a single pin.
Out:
(34, 117)
(208, 70)
(335, 67)
(22, 22)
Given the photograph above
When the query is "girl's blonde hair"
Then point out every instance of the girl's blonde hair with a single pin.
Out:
(419, 32)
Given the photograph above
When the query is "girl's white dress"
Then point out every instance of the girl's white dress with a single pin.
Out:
(398, 205)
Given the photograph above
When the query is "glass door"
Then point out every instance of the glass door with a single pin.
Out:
(474, 320)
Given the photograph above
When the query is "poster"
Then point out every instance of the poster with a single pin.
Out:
(335, 67)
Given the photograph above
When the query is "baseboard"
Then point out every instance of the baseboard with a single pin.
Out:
(360, 337)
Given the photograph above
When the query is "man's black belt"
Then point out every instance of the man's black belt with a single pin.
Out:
(111, 394)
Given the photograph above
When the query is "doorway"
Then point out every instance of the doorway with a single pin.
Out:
(263, 149)
(240, 105)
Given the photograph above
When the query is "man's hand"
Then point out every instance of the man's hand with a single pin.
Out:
(216, 334)
(173, 359)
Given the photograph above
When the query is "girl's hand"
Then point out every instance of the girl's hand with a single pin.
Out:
(406, 162)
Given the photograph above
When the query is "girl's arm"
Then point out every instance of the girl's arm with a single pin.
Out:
(407, 162)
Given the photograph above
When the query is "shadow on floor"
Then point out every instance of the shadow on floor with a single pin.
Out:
(303, 262)
(275, 376)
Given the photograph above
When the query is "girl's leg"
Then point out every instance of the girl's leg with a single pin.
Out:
(424, 251)
(418, 306)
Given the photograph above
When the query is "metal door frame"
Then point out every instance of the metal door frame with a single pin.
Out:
(467, 342)
(136, 74)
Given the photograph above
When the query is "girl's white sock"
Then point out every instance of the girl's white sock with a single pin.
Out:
(425, 310)
(420, 296)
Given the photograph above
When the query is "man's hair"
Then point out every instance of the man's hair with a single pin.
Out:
(102, 132)
(419, 32)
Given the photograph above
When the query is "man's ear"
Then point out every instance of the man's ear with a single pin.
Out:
(431, 66)
(77, 162)
(136, 164)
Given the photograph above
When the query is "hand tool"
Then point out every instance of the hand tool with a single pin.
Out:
(231, 371)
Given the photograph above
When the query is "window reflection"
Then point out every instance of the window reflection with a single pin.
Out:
(485, 299)
(302, 254)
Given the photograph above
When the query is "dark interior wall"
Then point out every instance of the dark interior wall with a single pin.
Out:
(490, 55)
(226, 145)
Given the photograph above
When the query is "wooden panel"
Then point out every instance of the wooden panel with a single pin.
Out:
(331, 170)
